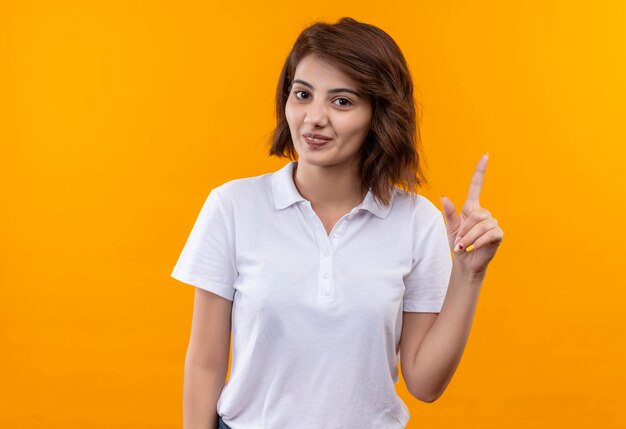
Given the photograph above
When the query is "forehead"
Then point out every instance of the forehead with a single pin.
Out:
(315, 69)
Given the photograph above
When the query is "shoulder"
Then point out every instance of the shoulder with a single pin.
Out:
(417, 205)
(244, 189)
(427, 224)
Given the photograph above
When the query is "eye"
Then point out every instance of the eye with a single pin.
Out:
(296, 93)
(349, 103)
(344, 101)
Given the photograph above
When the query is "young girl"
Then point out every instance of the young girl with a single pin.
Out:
(327, 271)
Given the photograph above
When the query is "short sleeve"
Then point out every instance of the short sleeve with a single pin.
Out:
(427, 282)
(207, 260)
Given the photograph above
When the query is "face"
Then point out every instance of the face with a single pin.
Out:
(325, 101)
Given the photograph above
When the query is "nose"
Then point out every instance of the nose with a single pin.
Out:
(316, 114)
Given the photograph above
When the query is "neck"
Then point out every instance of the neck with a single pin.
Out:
(329, 187)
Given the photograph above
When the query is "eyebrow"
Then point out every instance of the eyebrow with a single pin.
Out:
(330, 91)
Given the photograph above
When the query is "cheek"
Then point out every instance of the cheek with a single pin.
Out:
(291, 115)
(354, 126)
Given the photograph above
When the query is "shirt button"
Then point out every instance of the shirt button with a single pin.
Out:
(326, 275)
(326, 253)
(336, 233)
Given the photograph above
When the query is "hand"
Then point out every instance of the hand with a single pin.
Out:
(475, 230)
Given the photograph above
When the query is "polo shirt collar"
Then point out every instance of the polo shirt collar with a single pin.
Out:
(286, 193)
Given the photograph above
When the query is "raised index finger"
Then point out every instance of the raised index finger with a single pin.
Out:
(473, 194)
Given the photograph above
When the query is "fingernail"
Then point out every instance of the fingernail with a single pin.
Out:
(458, 247)
(469, 248)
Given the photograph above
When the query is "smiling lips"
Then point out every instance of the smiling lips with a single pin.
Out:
(316, 139)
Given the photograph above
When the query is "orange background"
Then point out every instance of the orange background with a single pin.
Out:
(117, 118)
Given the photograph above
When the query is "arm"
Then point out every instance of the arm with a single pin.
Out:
(206, 362)
(434, 350)
(474, 238)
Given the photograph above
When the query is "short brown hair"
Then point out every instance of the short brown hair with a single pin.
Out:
(391, 152)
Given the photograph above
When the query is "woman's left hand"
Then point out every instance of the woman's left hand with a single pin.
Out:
(474, 236)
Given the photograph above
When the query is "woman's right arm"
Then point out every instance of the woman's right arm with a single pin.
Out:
(206, 362)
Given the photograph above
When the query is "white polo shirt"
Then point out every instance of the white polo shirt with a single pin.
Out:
(316, 318)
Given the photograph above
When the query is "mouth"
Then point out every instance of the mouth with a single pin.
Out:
(316, 141)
